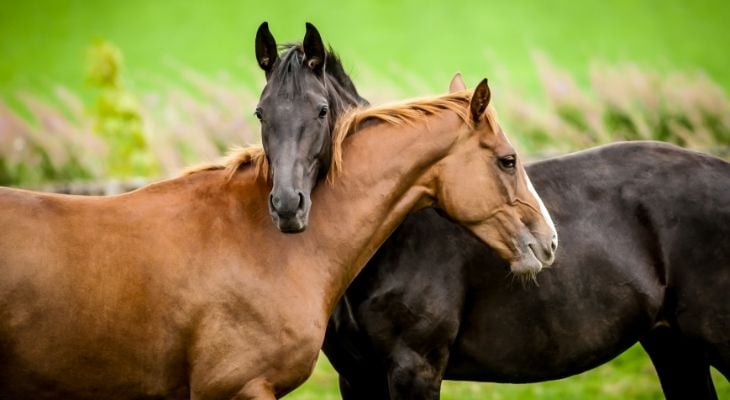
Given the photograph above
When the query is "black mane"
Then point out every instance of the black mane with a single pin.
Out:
(291, 62)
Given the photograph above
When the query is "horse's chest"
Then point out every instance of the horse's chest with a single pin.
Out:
(269, 339)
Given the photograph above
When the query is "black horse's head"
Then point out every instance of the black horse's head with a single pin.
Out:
(306, 91)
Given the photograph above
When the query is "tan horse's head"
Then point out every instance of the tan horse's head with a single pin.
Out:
(497, 202)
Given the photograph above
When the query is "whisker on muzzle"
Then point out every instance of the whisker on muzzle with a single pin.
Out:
(525, 278)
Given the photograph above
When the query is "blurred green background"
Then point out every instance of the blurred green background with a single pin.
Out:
(149, 87)
(93, 90)
(43, 42)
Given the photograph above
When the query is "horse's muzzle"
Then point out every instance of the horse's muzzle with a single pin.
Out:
(290, 211)
(534, 253)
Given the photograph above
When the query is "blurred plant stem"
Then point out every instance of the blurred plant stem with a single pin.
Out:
(117, 116)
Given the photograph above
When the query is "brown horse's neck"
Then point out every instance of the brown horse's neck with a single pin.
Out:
(387, 174)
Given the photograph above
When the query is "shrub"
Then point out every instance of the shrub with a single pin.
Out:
(625, 102)
(117, 117)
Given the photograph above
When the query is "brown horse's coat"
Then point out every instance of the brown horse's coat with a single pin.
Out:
(184, 288)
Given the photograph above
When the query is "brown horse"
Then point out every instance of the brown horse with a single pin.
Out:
(184, 288)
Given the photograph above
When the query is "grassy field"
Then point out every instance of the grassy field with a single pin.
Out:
(629, 376)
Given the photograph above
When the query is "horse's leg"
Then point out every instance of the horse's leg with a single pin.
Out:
(257, 389)
(363, 389)
(683, 369)
(720, 358)
(347, 391)
(415, 376)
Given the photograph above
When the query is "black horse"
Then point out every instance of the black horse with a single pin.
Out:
(645, 256)
(389, 337)
(306, 90)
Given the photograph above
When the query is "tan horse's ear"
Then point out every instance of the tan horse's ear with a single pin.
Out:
(457, 83)
(480, 100)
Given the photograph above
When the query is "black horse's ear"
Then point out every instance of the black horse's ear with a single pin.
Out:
(314, 53)
(480, 100)
(266, 53)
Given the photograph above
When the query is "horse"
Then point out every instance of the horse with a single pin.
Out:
(645, 257)
(184, 289)
(306, 91)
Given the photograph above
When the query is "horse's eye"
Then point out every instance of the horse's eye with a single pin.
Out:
(257, 113)
(323, 111)
(508, 162)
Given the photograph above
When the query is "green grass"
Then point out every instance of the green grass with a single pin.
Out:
(629, 376)
(417, 44)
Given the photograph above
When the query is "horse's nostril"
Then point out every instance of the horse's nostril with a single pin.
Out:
(301, 201)
(554, 243)
(274, 201)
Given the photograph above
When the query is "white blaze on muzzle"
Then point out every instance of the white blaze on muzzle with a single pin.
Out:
(543, 210)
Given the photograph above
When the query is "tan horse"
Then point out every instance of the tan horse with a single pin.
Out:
(184, 288)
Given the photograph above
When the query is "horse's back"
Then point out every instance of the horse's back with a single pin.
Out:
(28, 221)
(681, 200)
(47, 235)
(70, 300)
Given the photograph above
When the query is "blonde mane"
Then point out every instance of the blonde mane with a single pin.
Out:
(395, 114)
(237, 158)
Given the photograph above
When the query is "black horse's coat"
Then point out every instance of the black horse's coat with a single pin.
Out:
(644, 256)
